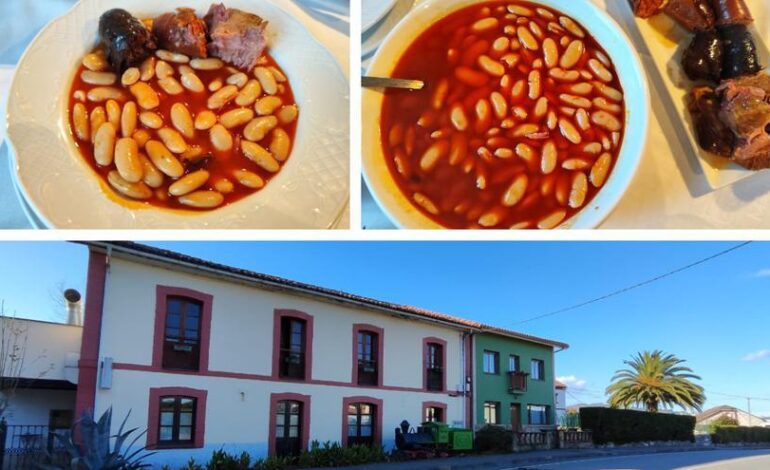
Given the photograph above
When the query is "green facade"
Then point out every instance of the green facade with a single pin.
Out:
(495, 387)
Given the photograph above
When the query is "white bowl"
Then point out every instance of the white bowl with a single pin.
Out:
(310, 191)
(384, 188)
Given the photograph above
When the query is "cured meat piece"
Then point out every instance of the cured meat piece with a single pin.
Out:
(702, 60)
(236, 37)
(695, 15)
(125, 38)
(729, 12)
(740, 52)
(181, 32)
(712, 133)
(647, 8)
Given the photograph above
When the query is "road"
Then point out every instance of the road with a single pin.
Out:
(708, 460)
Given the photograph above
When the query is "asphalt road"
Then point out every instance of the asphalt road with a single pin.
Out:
(707, 460)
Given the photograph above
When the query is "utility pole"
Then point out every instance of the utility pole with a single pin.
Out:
(748, 399)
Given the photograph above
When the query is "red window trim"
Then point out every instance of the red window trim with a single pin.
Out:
(347, 401)
(277, 316)
(274, 399)
(85, 396)
(207, 301)
(363, 327)
(434, 404)
(153, 415)
(443, 343)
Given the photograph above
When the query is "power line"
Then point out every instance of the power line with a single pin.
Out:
(637, 285)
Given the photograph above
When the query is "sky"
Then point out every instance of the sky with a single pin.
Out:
(714, 315)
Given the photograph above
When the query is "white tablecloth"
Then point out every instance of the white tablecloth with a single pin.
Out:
(668, 191)
(20, 21)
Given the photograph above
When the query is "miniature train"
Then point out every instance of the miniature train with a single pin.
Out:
(433, 437)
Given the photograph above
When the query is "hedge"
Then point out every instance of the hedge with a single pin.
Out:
(493, 439)
(627, 426)
(730, 434)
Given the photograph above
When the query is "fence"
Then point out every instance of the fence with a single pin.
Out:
(575, 439)
(27, 446)
(551, 439)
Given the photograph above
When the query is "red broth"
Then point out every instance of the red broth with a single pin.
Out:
(221, 165)
(519, 125)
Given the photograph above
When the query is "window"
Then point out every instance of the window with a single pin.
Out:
(176, 426)
(513, 363)
(292, 355)
(434, 366)
(434, 414)
(491, 412)
(538, 369)
(538, 414)
(491, 362)
(367, 352)
(288, 428)
(182, 333)
(361, 423)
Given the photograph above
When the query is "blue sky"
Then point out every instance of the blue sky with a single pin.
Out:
(714, 315)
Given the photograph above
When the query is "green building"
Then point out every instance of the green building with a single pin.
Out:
(514, 381)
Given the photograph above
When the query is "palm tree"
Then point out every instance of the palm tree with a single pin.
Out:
(654, 379)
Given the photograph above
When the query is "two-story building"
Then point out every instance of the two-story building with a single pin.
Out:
(206, 356)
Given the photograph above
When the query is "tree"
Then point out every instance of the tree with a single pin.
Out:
(654, 379)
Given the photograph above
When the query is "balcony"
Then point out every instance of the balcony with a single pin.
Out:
(517, 382)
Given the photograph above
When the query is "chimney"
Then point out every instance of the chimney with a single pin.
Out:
(74, 307)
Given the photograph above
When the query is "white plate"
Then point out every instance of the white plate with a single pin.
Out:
(309, 192)
(372, 11)
(400, 209)
(666, 40)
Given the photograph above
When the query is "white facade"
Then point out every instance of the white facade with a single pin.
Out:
(560, 402)
(238, 381)
(742, 417)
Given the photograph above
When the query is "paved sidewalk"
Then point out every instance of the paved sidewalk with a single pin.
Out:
(497, 461)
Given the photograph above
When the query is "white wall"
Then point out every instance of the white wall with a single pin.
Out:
(52, 350)
(31, 407)
(241, 342)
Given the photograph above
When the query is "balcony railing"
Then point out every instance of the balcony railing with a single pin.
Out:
(517, 382)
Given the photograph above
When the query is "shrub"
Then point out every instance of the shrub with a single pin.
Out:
(221, 460)
(493, 439)
(332, 454)
(626, 426)
(730, 434)
(721, 421)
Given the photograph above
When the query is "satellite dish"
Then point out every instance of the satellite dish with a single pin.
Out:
(72, 295)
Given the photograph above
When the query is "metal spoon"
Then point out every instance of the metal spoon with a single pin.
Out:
(382, 82)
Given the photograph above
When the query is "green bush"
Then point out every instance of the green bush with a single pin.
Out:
(626, 426)
(721, 421)
(493, 439)
(221, 460)
(730, 434)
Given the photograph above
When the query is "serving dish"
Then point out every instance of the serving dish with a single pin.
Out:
(665, 41)
(372, 11)
(385, 189)
(310, 192)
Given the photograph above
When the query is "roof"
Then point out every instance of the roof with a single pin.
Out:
(173, 257)
(711, 412)
(559, 384)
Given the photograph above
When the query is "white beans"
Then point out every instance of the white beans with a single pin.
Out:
(193, 83)
(577, 195)
(95, 62)
(128, 120)
(572, 54)
(172, 140)
(287, 114)
(151, 120)
(548, 158)
(552, 220)
(145, 96)
(433, 154)
(249, 93)
(260, 156)
(606, 120)
(130, 76)
(210, 63)
(171, 57)
(152, 176)
(220, 138)
(485, 25)
(516, 191)
(163, 160)
(280, 146)
(202, 199)
(132, 190)
(223, 96)
(491, 66)
(98, 117)
(163, 70)
(600, 170)
(569, 131)
(527, 39)
(267, 105)
(104, 144)
(266, 79)
(147, 69)
(81, 122)
(249, 179)
(104, 93)
(98, 78)
(171, 86)
(182, 120)
(258, 128)
(238, 79)
(224, 185)
(204, 120)
(113, 112)
(188, 183)
(127, 160)
(236, 117)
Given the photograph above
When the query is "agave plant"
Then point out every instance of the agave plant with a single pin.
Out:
(655, 379)
(95, 449)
